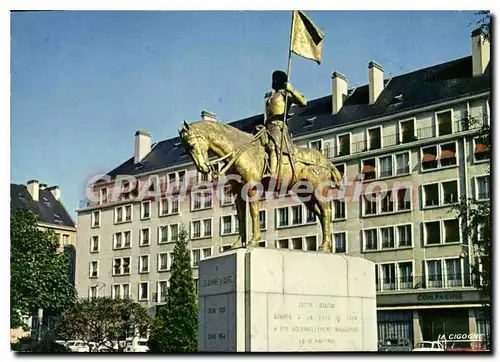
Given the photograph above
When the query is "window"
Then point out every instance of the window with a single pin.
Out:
(195, 257)
(128, 212)
(340, 168)
(202, 177)
(481, 150)
(405, 272)
(207, 227)
(122, 240)
(317, 145)
(163, 207)
(196, 229)
(174, 205)
(94, 269)
(448, 156)
(368, 169)
(311, 243)
(262, 220)
(453, 272)
(402, 163)
(174, 232)
(431, 195)
(432, 232)
(227, 195)
(407, 129)
(297, 215)
(451, 231)
(143, 291)
(340, 242)
(370, 204)
(374, 138)
(450, 192)
(387, 202)
(370, 239)
(121, 266)
(202, 200)
(119, 214)
(404, 199)
(338, 209)
(429, 158)
(483, 188)
(388, 276)
(65, 238)
(176, 180)
(162, 290)
(145, 209)
(94, 244)
(144, 237)
(385, 166)
(387, 236)
(434, 274)
(163, 234)
(93, 291)
(444, 122)
(207, 252)
(282, 244)
(227, 224)
(404, 235)
(344, 145)
(144, 264)
(283, 217)
(163, 262)
(120, 290)
(310, 216)
(297, 244)
(96, 219)
(103, 196)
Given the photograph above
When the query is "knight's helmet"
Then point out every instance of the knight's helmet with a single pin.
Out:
(279, 80)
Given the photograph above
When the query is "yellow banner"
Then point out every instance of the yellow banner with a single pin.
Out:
(306, 37)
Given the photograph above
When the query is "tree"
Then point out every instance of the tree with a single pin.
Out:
(175, 328)
(103, 322)
(39, 275)
(484, 23)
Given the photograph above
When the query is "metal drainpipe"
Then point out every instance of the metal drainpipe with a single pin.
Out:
(466, 183)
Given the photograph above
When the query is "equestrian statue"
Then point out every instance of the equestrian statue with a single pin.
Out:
(267, 154)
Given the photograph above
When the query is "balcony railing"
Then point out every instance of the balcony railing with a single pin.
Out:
(431, 281)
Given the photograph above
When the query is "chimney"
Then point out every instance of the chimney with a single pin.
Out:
(339, 91)
(56, 192)
(208, 116)
(480, 52)
(375, 80)
(142, 145)
(33, 189)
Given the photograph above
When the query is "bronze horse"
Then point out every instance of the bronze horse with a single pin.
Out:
(250, 164)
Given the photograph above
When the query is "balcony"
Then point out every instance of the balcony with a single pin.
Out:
(432, 281)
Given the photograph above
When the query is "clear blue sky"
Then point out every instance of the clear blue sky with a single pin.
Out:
(83, 82)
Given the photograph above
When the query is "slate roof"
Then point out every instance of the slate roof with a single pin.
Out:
(420, 88)
(48, 209)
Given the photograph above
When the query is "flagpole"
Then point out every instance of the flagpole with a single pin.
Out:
(288, 70)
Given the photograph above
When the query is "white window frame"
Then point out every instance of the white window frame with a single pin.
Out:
(141, 264)
(159, 262)
(332, 210)
(337, 143)
(378, 168)
(441, 190)
(398, 276)
(139, 297)
(476, 187)
(345, 168)
(321, 142)
(334, 242)
(121, 290)
(142, 210)
(278, 217)
(426, 265)
(233, 222)
(363, 233)
(103, 195)
(97, 269)
(396, 174)
(92, 243)
(203, 257)
(379, 237)
(367, 135)
(446, 273)
(96, 291)
(123, 240)
(176, 180)
(436, 120)
(299, 207)
(474, 152)
(380, 275)
(124, 214)
(200, 251)
(93, 219)
(377, 206)
(424, 232)
(141, 237)
(397, 241)
(224, 199)
(438, 156)
(443, 232)
(395, 198)
(202, 200)
(400, 128)
(121, 266)
(161, 209)
(440, 193)
(265, 220)
(160, 238)
(159, 293)
(202, 228)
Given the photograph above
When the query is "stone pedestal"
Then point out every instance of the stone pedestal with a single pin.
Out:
(275, 300)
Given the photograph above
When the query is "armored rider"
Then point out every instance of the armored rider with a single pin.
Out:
(275, 110)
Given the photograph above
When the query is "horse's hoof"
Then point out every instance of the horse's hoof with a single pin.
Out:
(324, 249)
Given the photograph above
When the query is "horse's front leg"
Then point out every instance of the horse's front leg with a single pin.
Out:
(242, 226)
(326, 245)
(254, 213)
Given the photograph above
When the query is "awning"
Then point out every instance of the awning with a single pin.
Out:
(447, 154)
(429, 157)
(368, 168)
(402, 194)
(480, 148)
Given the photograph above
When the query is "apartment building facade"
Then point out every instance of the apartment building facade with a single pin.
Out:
(406, 150)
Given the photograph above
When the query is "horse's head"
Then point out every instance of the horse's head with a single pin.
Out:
(196, 145)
